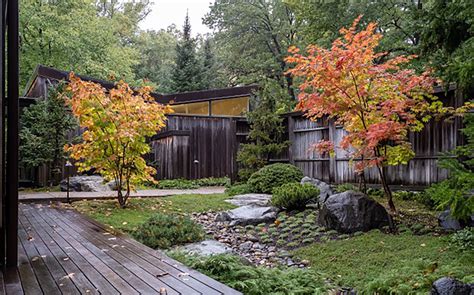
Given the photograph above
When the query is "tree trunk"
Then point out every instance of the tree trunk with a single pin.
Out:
(386, 188)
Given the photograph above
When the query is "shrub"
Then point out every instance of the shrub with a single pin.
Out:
(238, 189)
(252, 280)
(181, 183)
(420, 197)
(463, 239)
(340, 188)
(292, 196)
(275, 175)
(455, 194)
(163, 231)
(212, 181)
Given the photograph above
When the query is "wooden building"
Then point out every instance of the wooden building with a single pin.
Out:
(200, 139)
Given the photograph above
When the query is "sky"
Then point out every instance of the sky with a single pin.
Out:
(167, 12)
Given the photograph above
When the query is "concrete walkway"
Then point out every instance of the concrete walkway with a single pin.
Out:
(42, 196)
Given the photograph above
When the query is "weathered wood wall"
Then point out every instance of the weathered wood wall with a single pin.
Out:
(195, 147)
(437, 137)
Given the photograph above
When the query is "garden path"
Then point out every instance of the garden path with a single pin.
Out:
(43, 196)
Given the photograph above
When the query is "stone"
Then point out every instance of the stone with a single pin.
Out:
(448, 222)
(207, 248)
(450, 286)
(246, 215)
(246, 246)
(262, 200)
(325, 190)
(350, 211)
(85, 183)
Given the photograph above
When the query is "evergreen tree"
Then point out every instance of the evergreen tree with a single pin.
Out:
(266, 130)
(208, 66)
(187, 74)
(43, 134)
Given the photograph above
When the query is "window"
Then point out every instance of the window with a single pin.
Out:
(195, 108)
(230, 107)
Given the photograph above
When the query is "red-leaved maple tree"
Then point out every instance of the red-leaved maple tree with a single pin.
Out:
(377, 103)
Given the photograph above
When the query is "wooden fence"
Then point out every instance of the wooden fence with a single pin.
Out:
(437, 137)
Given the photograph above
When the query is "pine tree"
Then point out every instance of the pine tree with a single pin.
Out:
(187, 74)
(208, 66)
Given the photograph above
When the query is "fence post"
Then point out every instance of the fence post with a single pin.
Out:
(332, 160)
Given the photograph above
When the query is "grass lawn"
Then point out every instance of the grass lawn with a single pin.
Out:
(140, 209)
(389, 263)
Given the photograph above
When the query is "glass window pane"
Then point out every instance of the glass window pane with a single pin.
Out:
(230, 107)
(195, 108)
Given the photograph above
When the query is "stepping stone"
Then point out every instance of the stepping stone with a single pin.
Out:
(249, 215)
(251, 199)
(206, 248)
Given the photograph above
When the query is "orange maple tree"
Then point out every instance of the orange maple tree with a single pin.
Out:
(116, 124)
(377, 103)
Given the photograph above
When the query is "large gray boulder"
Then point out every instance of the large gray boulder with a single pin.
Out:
(262, 200)
(350, 211)
(450, 286)
(248, 215)
(325, 189)
(207, 248)
(85, 183)
(448, 222)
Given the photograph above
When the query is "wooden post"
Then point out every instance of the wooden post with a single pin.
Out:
(12, 136)
(235, 147)
(333, 177)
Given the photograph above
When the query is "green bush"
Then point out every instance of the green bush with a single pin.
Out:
(238, 189)
(163, 231)
(292, 196)
(272, 176)
(340, 188)
(252, 280)
(420, 197)
(181, 183)
(463, 240)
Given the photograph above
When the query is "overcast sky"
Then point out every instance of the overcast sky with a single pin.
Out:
(167, 12)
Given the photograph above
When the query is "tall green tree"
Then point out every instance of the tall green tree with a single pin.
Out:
(266, 129)
(44, 132)
(75, 35)
(253, 37)
(157, 50)
(187, 73)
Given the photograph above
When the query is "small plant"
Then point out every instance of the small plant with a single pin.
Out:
(238, 189)
(307, 241)
(281, 242)
(163, 231)
(284, 235)
(293, 196)
(343, 236)
(375, 193)
(306, 232)
(340, 188)
(272, 176)
(463, 239)
(176, 184)
(292, 244)
(332, 232)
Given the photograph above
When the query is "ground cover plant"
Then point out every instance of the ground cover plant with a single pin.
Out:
(140, 209)
(181, 183)
(376, 262)
(232, 271)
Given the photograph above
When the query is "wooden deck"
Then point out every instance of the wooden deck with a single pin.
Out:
(64, 252)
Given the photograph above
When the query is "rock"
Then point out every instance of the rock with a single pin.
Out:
(206, 248)
(251, 199)
(448, 222)
(246, 246)
(324, 189)
(246, 215)
(85, 183)
(450, 286)
(350, 211)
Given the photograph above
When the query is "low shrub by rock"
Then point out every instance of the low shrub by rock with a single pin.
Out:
(163, 231)
(238, 189)
(272, 176)
(463, 239)
(293, 196)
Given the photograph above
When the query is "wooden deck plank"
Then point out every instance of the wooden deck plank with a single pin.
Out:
(75, 274)
(46, 281)
(113, 278)
(27, 275)
(176, 281)
(60, 276)
(114, 258)
(84, 266)
(64, 252)
(12, 281)
(164, 261)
